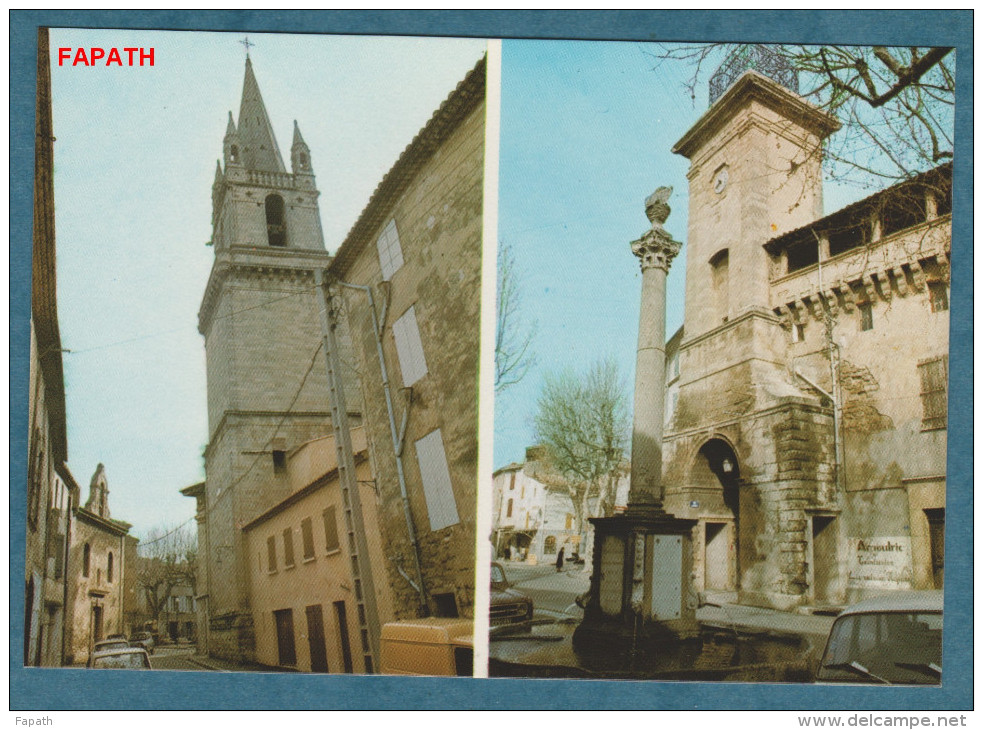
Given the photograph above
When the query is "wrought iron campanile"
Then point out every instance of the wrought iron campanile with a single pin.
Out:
(763, 59)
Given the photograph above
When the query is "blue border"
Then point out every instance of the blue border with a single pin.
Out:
(68, 689)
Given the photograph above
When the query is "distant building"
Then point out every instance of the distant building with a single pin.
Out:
(806, 392)
(96, 572)
(48, 479)
(417, 247)
(177, 622)
(533, 517)
(301, 586)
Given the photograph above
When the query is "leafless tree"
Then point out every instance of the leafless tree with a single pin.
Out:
(167, 558)
(895, 103)
(513, 337)
(582, 422)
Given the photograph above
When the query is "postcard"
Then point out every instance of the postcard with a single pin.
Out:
(397, 360)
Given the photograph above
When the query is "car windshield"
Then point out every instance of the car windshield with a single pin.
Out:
(885, 648)
(497, 574)
(130, 660)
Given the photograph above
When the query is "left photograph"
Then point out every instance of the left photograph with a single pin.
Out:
(254, 352)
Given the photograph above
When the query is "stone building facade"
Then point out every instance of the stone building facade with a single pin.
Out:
(267, 387)
(47, 480)
(535, 518)
(417, 249)
(806, 390)
(301, 586)
(96, 572)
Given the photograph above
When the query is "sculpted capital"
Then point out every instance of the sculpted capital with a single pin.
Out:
(656, 248)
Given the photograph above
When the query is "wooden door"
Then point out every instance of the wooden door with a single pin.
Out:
(346, 647)
(315, 639)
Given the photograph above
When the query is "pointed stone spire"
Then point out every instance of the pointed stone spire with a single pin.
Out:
(231, 146)
(300, 154)
(259, 149)
(219, 177)
(298, 138)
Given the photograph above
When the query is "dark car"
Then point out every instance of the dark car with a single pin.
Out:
(143, 640)
(126, 658)
(509, 607)
(893, 639)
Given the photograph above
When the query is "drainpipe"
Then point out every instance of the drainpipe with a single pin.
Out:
(397, 438)
(834, 369)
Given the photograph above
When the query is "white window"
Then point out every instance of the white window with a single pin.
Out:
(441, 507)
(390, 252)
(409, 348)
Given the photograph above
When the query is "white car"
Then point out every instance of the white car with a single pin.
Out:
(127, 658)
(891, 639)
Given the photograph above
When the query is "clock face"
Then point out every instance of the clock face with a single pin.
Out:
(720, 181)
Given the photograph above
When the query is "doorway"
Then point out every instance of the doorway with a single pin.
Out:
(341, 613)
(936, 538)
(716, 474)
(824, 558)
(315, 639)
(96, 624)
(717, 575)
(286, 650)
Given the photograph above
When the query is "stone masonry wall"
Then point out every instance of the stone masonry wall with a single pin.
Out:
(439, 223)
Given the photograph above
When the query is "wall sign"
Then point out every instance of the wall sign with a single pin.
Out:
(880, 562)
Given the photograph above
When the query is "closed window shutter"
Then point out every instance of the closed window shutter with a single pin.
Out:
(307, 534)
(935, 381)
(330, 530)
(409, 347)
(288, 547)
(441, 506)
(390, 251)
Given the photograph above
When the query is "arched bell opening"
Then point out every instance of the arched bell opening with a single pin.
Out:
(276, 228)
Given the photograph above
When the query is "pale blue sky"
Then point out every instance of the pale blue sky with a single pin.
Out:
(587, 133)
(134, 164)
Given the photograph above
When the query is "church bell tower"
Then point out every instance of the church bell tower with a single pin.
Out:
(267, 384)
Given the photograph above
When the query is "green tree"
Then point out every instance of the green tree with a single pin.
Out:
(582, 422)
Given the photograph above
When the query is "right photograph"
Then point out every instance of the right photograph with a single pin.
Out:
(722, 362)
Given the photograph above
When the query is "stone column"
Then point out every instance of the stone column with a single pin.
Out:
(655, 249)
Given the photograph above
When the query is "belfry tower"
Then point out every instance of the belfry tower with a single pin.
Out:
(267, 387)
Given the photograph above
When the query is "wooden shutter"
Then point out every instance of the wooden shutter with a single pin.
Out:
(935, 381)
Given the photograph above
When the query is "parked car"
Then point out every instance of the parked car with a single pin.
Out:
(509, 607)
(125, 658)
(143, 640)
(892, 639)
(109, 644)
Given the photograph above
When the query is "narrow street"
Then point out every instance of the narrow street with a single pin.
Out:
(177, 658)
(553, 593)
